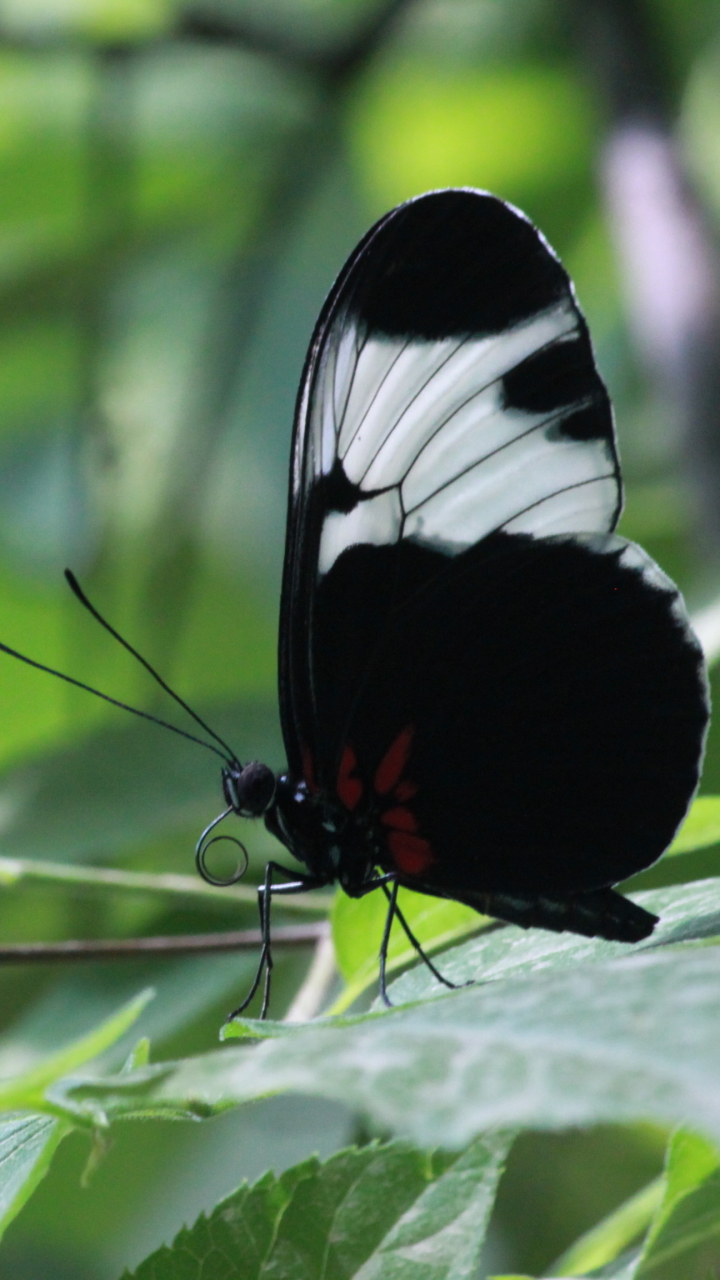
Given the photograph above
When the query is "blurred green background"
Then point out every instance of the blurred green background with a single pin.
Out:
(179, 184)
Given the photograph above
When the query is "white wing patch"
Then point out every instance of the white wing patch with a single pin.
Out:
(377, 521)
(426, 424)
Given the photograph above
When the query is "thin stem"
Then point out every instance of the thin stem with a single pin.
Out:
(292, 935)
(319, 978)
(13, 870)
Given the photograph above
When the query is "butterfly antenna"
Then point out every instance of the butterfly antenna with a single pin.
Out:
(145, 715)
(80, 594)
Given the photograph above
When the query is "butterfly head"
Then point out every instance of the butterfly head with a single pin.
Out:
(250, 789)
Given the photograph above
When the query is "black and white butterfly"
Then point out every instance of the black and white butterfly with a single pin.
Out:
(485, 694)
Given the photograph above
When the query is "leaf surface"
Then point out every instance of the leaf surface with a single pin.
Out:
(377, 1213)
(611, 1041)
(689, 1215)
(26, 1090)
(688, 913)
(608, 1239)
(27, 1145)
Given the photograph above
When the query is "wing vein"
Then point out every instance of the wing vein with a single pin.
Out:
(479, 391)
(556, 340)
(374, 397)
(478, 462)
(419, 391)
(579, 484)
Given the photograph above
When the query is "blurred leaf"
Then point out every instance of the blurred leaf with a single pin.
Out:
(99, 19)
(139, 1056)
(373, 1213)
(26, 1090)
(684, 1206)
(416, 126)
(27, 1145)
(606, 1241)
(358, 923)
(186, 990)
(122, 785)
(689, 1214)
(700, 121)
(242, 1028)
(700, 829)
(604, 1042)
(43, 99)
(50, 346)
(475, 31)
(299, 26)
(624, 1269)
(47, 519)
(656, 510)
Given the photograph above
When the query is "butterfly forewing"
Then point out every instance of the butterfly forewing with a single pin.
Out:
(456, 617)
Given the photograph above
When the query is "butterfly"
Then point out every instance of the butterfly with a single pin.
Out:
(486, 695)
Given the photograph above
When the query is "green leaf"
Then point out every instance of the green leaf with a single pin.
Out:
(240, 1028)
(27, 1145)
(700, 829)
(357, 925)
(377, 1213)
(27, 1090)
(686, 1216)
(606, 1241)
(689, 1214)
(688, 912)
(630, 1038)
(624, 1268)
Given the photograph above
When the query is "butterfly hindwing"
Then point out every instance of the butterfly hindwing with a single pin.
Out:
(549, 697)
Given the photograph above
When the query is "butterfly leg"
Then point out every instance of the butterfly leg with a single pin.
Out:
(420, 950)
(391, 895)
(265, 896)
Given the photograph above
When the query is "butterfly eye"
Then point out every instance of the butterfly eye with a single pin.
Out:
(250, 790)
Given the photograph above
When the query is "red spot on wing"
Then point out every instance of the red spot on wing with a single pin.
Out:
(349, 787)
(399, 818)
(411, 854)
(309, 771)
(393, 762)
(405, 790)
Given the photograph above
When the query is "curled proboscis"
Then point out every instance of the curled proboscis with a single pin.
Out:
(201, 852)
